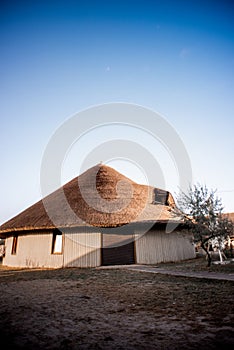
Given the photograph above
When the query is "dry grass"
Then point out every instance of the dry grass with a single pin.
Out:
(114, 309)
(199, 264)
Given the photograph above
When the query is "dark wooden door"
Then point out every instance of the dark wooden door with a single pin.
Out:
(117, 249)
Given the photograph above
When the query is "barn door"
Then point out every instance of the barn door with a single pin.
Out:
(117, 249)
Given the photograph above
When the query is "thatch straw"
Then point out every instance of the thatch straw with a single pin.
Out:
(101, 197)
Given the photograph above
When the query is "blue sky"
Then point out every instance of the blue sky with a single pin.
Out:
(60, 57)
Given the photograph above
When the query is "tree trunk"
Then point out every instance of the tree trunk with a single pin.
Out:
(220, 256)
(207, 254)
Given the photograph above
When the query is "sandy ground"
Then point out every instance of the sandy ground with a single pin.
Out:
(113, 309)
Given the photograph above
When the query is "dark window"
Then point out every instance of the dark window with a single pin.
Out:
(160, 196)
(14, 245)
(57, 242)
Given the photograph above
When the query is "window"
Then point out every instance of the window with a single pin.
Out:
(57, 242)
(14, 245)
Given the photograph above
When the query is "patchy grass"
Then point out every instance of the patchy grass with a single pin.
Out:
(198, 264)
(115, 309)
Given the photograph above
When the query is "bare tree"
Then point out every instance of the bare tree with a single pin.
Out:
(202, 211)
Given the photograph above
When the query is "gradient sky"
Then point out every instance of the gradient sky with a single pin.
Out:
(60, 57)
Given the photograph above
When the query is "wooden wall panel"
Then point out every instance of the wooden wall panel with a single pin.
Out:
(33, 250)
(157, 246)
(82, 249)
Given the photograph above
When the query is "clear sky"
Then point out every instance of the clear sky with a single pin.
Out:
(60, 57)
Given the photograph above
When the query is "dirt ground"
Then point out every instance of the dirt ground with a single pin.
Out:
(115, 309)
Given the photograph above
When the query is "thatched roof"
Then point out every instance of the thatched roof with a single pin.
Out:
(230, 216)
(101, 197)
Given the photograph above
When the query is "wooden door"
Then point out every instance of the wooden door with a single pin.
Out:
(117, 249)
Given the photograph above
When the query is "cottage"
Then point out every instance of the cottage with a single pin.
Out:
(99, 218)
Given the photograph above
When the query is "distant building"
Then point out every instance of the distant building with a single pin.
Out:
(99, 218)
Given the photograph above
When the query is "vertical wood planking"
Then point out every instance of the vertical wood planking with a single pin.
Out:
(157, 246)
(33, 250)
(82, 249)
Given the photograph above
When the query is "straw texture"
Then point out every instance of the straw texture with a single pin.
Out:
(100, 197)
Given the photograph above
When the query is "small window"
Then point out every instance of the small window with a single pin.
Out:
(14, 245)
(57, 242)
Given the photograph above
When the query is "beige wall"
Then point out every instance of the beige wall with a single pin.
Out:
(157, 246)
(82, 249)
(33, 250)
